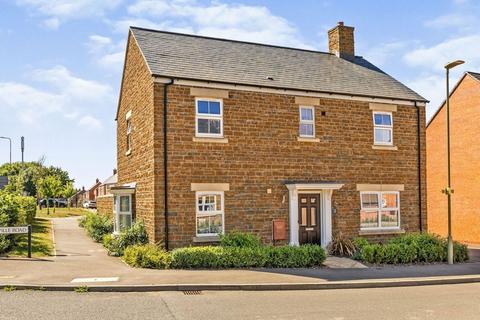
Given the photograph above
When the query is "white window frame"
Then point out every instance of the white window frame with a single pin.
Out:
(129, 134)
(208, 116)
(379, 210)
(209, 213)
(388, 127)
(312, 122)
(117, 212)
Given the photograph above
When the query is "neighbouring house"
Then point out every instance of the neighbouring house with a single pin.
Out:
(215, 135)
(105, 197)
(93, 192)
(77, 199)
(3, 182)
(465, 162)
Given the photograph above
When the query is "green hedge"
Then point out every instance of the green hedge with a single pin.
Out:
(147, 256)
(410, 248)
(97, 226)
(116, 244)
(27, 209)
(240, 239)
(9, 212)
(210, 257)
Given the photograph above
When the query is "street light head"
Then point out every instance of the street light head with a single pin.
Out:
(453, 64)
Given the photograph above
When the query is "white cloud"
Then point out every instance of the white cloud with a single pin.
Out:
(58, 93)
(107, 53)
(233, 21)
(58, 11)
(89, 122)
(382, 53)
(452, 20)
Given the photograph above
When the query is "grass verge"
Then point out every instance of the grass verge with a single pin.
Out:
(42, 243)
(61, 212)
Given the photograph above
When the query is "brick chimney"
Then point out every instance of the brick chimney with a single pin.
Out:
(340, 41)
(114, 171)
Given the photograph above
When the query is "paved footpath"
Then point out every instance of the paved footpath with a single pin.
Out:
(85, 262)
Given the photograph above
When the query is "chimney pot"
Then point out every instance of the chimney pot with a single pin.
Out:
(114, 171)
(341, 41)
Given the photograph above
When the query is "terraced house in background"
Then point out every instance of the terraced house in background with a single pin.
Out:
(215, 135)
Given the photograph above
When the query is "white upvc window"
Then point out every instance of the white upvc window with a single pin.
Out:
(208, 117)
(122, 209)
(380, 210)
(210, 214)
(307, 122)
(129, 135)
(382, 128)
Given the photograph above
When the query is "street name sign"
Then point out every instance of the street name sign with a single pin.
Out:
(13, 230)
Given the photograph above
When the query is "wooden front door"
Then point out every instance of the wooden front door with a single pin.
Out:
(308, 218)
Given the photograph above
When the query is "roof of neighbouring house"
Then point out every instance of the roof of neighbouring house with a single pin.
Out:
(474, 74)
(191, 57)
(111, 180)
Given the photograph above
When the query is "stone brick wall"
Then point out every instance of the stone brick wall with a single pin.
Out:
(465, 164)
(341, 40)
(105, 205)
(263, 152)
(138, 166)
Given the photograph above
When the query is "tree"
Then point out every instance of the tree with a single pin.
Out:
(49, 187)
(68, 191)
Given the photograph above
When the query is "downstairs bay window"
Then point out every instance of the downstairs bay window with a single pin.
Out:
(122, 210)
(379, 210)
(209, 213)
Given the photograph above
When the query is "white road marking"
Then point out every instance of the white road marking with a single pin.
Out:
(84, 280)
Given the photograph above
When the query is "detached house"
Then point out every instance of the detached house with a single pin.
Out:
(215, 135)
(465, 162)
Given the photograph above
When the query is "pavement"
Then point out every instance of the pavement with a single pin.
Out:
(78, 261)
(445, 302)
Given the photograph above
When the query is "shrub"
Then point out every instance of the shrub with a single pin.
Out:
(240, 239)
(147, 256)
(210, 257)
(97, 226)
(341, 246)
(8, 217)
(411, 248)
(27, 209)
(116, 244)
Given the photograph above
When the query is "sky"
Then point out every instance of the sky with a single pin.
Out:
(61, 60)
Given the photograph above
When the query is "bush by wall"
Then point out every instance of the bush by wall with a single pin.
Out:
(96, 225)
(116, 244)
(147, 256)
(240, 239)
(210, 257)
(410, 248)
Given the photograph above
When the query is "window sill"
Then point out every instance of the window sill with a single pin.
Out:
(384, 147)
(306, 139)
(206, 239)
(129, 152)
(210, 140)
(380, 232)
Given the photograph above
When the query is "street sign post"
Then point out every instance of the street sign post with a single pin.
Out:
(20, 230)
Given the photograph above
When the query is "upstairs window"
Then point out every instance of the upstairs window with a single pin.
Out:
(307, 122)
(129, 135)
(209, 118)
(383, 128)
(209, 213)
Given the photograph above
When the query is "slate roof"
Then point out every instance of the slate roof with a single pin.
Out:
(474, 74)
(111, 180)
(192, 57)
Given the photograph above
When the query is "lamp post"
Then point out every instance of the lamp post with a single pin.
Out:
(10, 140)
(448, 190)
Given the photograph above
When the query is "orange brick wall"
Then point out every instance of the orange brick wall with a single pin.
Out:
(465, 165)
(105, 205)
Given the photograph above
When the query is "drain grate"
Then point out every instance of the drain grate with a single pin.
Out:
(192, 292)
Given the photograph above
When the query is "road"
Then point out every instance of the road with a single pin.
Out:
(458, 302)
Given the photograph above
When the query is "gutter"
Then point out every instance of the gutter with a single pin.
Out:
(165, 159)
(419, 167)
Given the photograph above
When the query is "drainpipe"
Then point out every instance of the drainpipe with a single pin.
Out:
(165, 159)
(419, 160)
